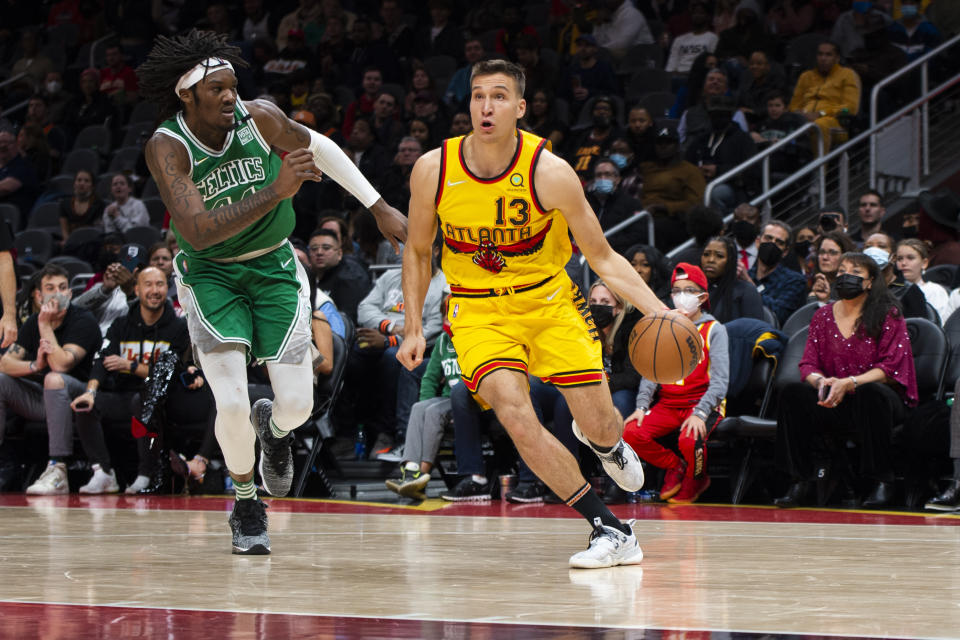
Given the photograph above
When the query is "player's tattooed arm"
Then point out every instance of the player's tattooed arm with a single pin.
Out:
(276, 128)
(201, 228)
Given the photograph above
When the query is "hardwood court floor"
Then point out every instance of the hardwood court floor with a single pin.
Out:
(120, 567)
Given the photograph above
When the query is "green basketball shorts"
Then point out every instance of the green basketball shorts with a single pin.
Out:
(262, 303)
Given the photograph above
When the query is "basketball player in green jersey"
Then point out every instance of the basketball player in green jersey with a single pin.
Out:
(215, 160)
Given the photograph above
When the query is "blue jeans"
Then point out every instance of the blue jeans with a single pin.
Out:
(467, 417)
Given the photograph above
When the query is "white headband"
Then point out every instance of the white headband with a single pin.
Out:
(196, 74)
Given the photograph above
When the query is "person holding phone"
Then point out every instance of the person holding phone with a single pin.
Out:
(858, 379)
(132, 344)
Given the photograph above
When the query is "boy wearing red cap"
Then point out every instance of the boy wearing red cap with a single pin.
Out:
(693, 405)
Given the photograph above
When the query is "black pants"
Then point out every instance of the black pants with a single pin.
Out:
(184, 408)
(808, 434)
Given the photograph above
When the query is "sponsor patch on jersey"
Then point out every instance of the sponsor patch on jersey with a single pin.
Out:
(245, 135)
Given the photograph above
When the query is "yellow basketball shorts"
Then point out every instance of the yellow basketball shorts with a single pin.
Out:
(544, 329)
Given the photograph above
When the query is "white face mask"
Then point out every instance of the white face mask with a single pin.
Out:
(686, 303)
(53, 86)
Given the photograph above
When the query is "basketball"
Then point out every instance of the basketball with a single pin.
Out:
(665, 348)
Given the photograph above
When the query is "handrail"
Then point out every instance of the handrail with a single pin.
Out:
(760, 157)
(15, 108)
(902, 72)
(22, 74)
(635, 218)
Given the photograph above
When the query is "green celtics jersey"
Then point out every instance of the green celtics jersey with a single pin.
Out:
(244, 165)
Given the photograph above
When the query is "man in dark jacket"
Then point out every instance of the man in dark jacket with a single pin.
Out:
(613, 206)
(125, 359)
(722, 149)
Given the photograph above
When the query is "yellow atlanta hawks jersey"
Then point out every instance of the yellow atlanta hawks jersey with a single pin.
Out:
(496, 233)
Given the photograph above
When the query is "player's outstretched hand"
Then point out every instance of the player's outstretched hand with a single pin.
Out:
(410, 351)
(297, 167)
(392, 223)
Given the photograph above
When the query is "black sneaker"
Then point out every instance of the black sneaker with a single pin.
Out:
(276, 456)
(468, 490)
(249, 525)
(527, 492)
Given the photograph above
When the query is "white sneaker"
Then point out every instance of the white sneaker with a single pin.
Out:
(621, 464)
(101, 482)
(142, 482)
(394, 455)
(608, 547)
(52, 482)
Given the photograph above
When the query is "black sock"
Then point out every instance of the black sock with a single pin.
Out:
(600, 449)
(589, 505)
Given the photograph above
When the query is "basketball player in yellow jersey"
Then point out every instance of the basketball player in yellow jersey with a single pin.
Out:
(504, 204)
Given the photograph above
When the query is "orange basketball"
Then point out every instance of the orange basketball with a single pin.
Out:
(665, 347)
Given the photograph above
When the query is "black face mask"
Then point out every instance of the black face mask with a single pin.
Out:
(848, 286)
(769, 254)
(802, 248)
(601, 122)
(602, 315)
(744, 232)
(910, 232)
(720, 121)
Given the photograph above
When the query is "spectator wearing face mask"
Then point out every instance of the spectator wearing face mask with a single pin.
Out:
(880, 247)
(613, 206)
(783, 291)
(858, 379)
(43, 371)
(694, 406)
(912, 32)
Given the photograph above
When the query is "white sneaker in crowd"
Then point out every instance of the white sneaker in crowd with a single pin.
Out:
(101, 482)
(52, 482)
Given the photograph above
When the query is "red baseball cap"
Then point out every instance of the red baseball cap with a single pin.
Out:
(693, 273)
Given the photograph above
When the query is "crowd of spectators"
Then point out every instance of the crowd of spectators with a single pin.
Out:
(648, 100)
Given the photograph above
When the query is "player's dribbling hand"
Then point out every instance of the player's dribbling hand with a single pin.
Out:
(297, 167)
(410, 351)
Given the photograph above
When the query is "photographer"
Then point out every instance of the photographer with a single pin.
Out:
(113, 393)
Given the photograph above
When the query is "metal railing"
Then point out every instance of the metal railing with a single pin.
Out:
(923, 63)
(12, 79)
(632, 220)
(894, 155)
(763, 158)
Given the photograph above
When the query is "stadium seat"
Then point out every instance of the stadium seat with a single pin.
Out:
(145, 236)
(800, 318)
(45, 216)
(157, 211)
(124, 160)
(80, 159)
(95, 138)
(755, 433)
(327, 391)
(34, 246)
(10, 213)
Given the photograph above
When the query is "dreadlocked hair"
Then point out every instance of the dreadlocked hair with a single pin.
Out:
(171, 57)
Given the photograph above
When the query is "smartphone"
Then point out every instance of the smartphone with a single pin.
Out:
(822, 391)
(187, 378)
(83, 406)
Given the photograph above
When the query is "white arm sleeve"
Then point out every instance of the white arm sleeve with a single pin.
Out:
(335, 163)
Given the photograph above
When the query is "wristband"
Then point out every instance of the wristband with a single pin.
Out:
(133, 366)
(92, 392)
(854, 378)
(33, 365)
